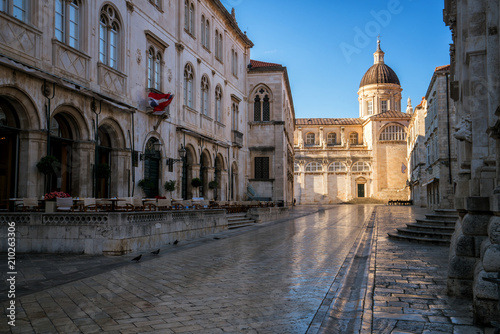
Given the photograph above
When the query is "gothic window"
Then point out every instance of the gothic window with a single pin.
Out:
(204, 95)
(310, 138)
(189, 17)
(109, 30)
(360, 166)
(154, 68)
(370, 107)
(67, 22)
(383, 106)
(314, 167)
(257, 108)
(236, 115)
(234, 62)
(218, 45)
(331, 139)
(265, 109)
(337, 166)
(353, 138)
(17, 8)
(393, 133)
(205, 32)
(218, 104)
(262, 168)
(188, 85)
(261, 106)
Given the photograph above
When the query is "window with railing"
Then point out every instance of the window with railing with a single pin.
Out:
(261, 168)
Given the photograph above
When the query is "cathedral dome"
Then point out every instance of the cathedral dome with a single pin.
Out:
(379, 74)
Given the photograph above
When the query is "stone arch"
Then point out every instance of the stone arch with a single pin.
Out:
(115, 131)
(218, 177)
(25, 107)
(261, 103)
(75, 119)
(190, 170)
(234, 181)
(205, 172)
(387, 132)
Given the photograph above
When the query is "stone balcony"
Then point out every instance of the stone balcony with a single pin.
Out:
(237, 138)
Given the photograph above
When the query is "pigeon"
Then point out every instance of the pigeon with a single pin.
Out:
(137, 258)
(176, 242)
(156, 252)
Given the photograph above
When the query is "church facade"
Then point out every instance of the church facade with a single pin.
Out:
(341, 159)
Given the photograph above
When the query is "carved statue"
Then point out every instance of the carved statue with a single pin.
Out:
(463, 130)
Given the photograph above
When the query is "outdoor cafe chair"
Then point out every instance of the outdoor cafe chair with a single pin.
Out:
(64, 204)
(30, 204)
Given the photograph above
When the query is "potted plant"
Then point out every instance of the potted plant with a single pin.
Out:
(145, 184)
(169, 186)
(47, 164)
(213, 184)
(103, 171)
(50, 199)
(196, 183)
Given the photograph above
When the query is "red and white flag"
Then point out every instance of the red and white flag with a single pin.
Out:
(160, 102)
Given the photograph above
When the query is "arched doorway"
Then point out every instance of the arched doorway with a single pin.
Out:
(219, 165)
(234, 182)
(61, 147)
(187, 173)
(152, 158)
(104, 166)
(204, 177)
(9, 151)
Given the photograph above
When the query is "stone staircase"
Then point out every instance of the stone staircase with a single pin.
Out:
(436, 228)
(236, 220)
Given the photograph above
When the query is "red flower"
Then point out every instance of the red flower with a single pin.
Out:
(53, 195)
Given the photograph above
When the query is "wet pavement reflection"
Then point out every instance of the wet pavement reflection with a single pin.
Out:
(269, 278)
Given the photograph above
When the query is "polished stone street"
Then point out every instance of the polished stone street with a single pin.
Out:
(267, 279)
(327, 270)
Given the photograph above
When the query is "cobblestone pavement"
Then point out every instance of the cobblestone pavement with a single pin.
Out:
(407, 284)
(269, 278)
(278, 277)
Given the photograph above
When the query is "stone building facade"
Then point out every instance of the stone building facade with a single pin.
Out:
(271, 120)
(440, 145)
(475, 82)
(74, 83)
(416, 153)
(340, 159)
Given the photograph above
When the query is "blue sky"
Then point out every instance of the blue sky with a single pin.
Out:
(327, 46)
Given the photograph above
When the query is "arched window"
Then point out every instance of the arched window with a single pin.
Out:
(235, 109)
(205, 32)
(154, 69)
(218, 104)
(314, 167)
(188, 85)
(218, 45)
(204, 95)
(67, 22)
(393, 132)
(234, 62)
(189, 17)
(353, 138)
(360, 166)
(261, 106)
(337, 166)
(109, 29)
(310, 138)
(331, 138)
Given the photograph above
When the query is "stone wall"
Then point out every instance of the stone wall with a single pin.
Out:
(107, 233)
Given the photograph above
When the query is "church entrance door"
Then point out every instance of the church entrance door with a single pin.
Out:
(361, 190)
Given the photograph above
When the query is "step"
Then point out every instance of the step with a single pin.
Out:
(435, 222)
(436, 228)
(448, 212)
(416, 239)
(441, 217)
(424, 234)
(240, 224)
